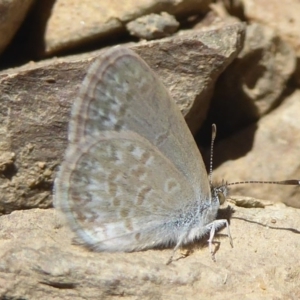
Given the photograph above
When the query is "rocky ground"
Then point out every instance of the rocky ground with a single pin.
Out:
(234, 63)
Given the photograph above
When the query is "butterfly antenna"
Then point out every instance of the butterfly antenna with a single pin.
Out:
(213, 137)
(283, 182)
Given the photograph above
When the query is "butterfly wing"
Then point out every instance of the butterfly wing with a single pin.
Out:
(120, 193)
(121, 93)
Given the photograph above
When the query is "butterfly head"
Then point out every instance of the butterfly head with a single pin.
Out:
(219, 193)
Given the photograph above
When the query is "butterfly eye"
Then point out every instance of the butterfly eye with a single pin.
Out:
(221, 197)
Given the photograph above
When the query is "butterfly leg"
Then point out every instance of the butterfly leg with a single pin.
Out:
(179, 243)
(215, 225)
(212, 228)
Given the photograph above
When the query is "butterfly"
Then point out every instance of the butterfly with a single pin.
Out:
(132, 177)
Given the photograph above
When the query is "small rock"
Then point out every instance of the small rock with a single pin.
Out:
(153, 26)
(6, 159)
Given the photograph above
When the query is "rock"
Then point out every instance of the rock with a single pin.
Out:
(197, 65)
(281, 16)
(38, 261)
(36, 103)
(153, 26)
(254, 83)
(12, 14)
(68, 24)
(268, 150)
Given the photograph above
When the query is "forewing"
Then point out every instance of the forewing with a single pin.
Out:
(119, 193)
(121, 93)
